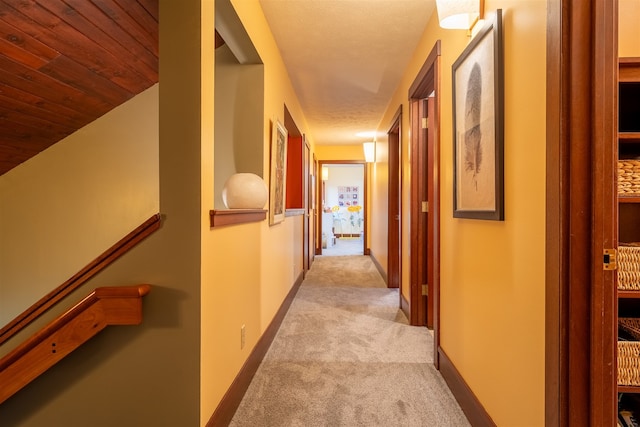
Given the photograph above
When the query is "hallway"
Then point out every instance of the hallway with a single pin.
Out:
(346, 356)
(345, 246)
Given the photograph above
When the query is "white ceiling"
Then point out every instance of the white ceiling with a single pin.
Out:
(345, 58)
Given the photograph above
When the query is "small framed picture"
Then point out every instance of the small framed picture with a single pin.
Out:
(278, 173)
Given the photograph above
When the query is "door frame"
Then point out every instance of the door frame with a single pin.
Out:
(313, 208)
(394, 204)
(418, 219)
(425, 85)
(365, 200)
(581, 211)
(307, 235)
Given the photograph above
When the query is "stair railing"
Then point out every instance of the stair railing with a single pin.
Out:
(97, 265)
(103, 307)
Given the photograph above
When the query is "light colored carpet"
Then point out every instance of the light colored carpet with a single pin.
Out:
(345, 246)
(346, 356)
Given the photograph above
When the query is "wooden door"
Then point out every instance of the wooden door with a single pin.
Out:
(423, 222)
(431, 255)
(419, 202)
(580, 337)
(424, 195)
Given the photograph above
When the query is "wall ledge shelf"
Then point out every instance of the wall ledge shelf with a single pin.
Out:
(222, 217)
(294, 212)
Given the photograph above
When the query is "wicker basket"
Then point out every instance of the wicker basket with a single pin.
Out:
(629, 353)
(629, 177)
(629, 267)
(629, 363)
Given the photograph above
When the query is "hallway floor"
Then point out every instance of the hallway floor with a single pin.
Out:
(345, 246)
(346, 356)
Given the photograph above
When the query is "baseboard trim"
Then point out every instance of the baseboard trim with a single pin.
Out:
(379, 267)
(229, 404)
(471, 406)
(404, 306)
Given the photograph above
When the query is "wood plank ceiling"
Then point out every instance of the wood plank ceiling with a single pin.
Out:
(64, 63)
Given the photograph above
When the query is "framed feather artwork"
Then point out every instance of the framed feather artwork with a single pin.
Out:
(478, 129)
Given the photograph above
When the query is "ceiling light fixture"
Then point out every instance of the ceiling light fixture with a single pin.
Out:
(459, 14)
(369, 151)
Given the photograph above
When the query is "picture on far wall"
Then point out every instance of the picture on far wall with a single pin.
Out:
(278, 173)
(478, 187)
(348, 196)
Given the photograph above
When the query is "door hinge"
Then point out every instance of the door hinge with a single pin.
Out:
(425, 206)
(425, 124)
(609, 259)
(425, 290)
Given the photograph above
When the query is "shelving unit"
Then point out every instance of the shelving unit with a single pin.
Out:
(629, 204)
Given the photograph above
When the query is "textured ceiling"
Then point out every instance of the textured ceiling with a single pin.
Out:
(345, 58)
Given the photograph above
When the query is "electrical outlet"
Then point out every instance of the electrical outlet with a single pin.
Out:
(242, 337)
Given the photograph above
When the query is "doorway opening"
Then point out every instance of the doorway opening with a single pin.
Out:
(342, 201)
(299, 180)
(394, 225)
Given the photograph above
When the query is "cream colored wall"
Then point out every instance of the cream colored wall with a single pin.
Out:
(452, 43)
(64, 207)
(492, 273)
(498, 344)
(219, 290)
(278, 267)
(296, 244)
(231, 266)
(629, 30)
(247, 269)
(238, 129)
(378, 202)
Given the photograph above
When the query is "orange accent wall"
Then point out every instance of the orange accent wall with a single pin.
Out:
(339, 152)
(294, 194)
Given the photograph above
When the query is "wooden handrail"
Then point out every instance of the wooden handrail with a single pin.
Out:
(103, 307)
(53, 297)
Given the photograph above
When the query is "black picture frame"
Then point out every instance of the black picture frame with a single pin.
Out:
(478, 126)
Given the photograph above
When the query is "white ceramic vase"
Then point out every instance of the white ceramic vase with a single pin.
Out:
(245, 191)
